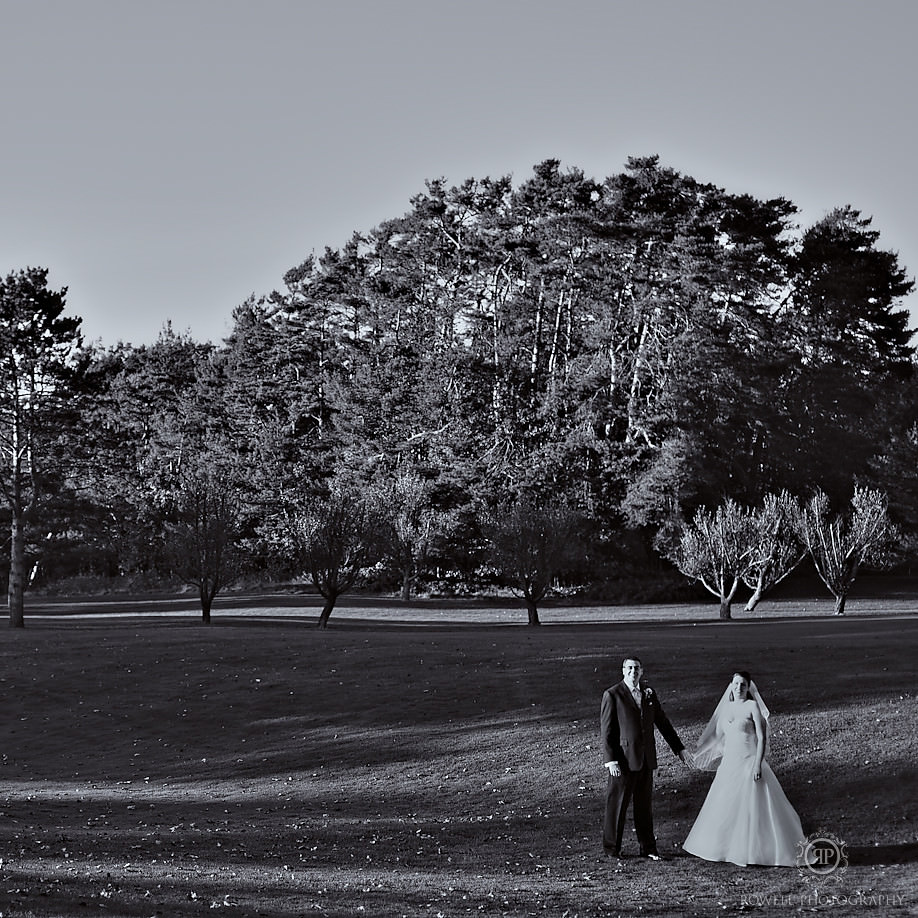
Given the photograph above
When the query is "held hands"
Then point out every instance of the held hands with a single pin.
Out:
(616, 771)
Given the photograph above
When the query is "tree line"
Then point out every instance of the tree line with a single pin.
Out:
(556, 383)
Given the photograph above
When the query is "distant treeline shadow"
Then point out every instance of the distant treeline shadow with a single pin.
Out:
(883, 854)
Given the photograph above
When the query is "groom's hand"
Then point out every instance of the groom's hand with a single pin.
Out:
(614, 769)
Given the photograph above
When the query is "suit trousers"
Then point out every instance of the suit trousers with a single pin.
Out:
(636, 785)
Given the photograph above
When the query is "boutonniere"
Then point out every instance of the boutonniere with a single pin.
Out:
(648, 693)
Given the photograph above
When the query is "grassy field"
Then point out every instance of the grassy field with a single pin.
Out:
(425, 766)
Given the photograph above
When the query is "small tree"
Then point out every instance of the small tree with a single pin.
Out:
(407, 528)
(839, 544)
(204, 530)
(717, 549)
(334, 540)
(531, 545)
(777, 550)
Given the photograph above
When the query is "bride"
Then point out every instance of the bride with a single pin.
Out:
(746, 818)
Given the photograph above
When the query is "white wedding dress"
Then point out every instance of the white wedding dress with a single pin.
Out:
(744, 821)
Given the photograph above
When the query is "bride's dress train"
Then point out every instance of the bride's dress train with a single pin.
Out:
(744, 821)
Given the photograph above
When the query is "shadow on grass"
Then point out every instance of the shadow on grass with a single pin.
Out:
(354, 852)
(358, 756)
(883, 854)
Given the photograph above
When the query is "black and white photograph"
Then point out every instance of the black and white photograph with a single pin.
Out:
(458, 458)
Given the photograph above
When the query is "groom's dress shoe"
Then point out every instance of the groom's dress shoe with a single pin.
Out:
(652, 856)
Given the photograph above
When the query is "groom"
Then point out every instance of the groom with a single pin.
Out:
(630, 710)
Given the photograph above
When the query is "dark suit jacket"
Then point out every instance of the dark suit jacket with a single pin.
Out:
(628, 731)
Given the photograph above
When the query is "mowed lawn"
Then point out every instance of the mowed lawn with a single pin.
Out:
(156, 766)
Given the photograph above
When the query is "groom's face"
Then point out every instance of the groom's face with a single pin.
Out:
(632, 669)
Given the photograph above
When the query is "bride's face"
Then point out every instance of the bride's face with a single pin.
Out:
(740, 688)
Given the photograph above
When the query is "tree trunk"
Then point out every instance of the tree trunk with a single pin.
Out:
(206, 602)
(327, 610)
(632, 409)
(840, 604)
(17, 572)
(533, 612)
(537, 336)
(726, 600)
(553, 352)
(754, 599)
(568, 325)
(406, 585)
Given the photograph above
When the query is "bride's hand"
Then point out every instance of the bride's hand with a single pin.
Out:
(757, 774)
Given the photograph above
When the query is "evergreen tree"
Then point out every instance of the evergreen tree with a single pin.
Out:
(38, 344)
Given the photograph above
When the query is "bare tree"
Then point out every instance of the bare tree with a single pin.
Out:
(335, 538)
(777, 550)
(839, 544)
(531, 545)
(717, 549)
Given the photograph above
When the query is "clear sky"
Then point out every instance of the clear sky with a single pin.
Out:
(165, 159)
